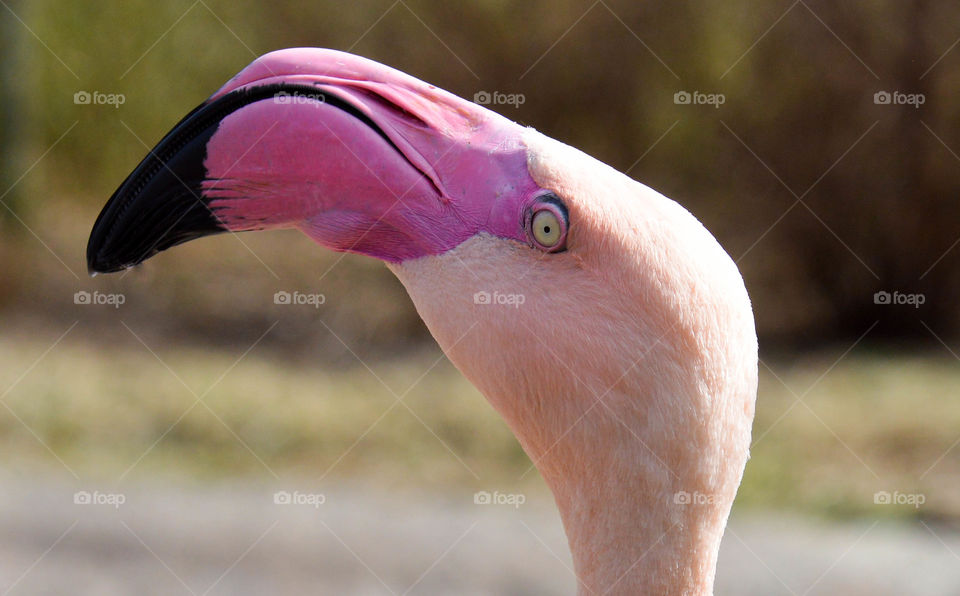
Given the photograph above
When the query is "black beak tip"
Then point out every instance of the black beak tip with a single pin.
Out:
(97, 265)
(162, 203)
(133, 228)
(93, 268)
(106, 254)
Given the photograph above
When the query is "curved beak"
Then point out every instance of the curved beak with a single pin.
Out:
(361, 157)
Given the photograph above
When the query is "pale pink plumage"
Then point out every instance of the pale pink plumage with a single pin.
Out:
(639, 371)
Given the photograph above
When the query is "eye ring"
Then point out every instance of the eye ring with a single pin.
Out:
(547, 223)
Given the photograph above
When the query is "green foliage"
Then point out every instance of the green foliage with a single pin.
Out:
(877, 182)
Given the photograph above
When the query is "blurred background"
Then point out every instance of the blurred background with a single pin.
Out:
(182, 433)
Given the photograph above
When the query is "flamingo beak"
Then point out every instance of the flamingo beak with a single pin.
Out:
(361, 157)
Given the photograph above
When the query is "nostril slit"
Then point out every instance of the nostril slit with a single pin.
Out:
(400, 111)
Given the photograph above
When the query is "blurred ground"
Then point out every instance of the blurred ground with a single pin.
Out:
(833, 428)
(233, 539)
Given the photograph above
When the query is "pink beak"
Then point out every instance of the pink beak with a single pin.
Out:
(361, 157)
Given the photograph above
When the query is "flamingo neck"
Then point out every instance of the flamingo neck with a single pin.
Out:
(642, 431)
(637, 521)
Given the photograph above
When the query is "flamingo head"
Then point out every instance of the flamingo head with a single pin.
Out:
(602, 321)
(361, 157)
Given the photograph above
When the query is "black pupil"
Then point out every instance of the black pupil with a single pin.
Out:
(546, 229)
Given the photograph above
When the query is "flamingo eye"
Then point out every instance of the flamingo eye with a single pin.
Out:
(546, 228)
(547, 225)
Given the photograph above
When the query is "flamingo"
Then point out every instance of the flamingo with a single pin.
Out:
(599, 318)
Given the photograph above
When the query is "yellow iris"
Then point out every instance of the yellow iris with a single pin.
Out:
(546, 228)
